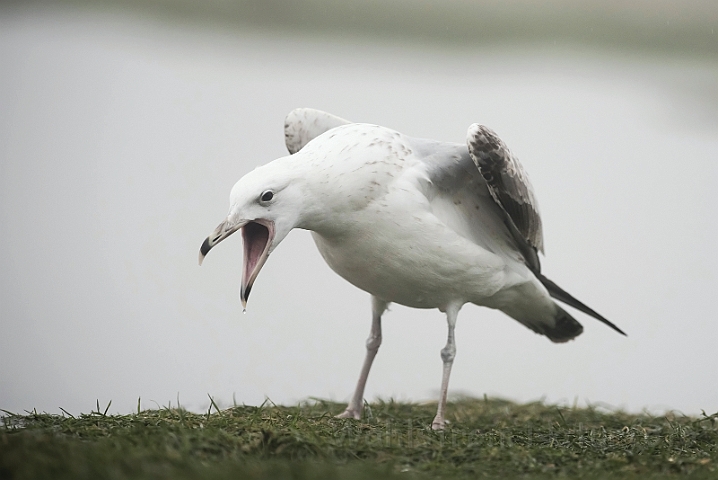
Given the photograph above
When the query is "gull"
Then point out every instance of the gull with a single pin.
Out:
(417, 222)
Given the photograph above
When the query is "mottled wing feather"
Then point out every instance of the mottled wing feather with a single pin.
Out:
(507, 181)
(304, 124)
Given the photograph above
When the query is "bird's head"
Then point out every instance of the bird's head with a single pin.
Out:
(265, 204)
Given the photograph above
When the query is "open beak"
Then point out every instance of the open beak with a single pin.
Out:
(223, 230)
(257, 237)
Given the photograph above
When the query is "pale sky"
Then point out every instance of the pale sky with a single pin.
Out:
(120, 139)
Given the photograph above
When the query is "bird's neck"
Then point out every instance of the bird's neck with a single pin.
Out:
(327, 222)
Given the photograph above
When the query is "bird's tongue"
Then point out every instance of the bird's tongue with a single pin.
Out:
(256, 240)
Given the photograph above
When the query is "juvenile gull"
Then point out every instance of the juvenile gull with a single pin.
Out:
(421, 223)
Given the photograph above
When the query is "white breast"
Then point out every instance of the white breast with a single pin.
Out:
(399, 251)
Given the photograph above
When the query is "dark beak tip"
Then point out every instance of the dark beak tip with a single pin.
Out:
(205, 248)
(244, 296)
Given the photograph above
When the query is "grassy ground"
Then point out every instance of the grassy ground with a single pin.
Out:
(488, 438)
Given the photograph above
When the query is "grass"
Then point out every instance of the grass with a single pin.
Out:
(487, 438)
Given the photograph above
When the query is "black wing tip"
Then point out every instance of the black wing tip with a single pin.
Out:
(617, 329)
(607, 322)
(563, 296)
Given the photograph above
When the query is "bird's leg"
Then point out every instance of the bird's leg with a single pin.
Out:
(356, 405)
(447, 356)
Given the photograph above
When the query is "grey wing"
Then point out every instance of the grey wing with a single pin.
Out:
(304, 124)
(461, 198)
(494, 206)
(508, 183)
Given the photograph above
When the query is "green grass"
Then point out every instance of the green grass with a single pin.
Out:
(487, 438)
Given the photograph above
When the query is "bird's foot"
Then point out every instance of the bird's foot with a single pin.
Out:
(350, 413)
(438, 423)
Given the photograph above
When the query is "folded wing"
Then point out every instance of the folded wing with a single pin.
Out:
(511, 190)
(508, 183)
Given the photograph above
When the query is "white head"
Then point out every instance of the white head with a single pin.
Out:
(266, 204)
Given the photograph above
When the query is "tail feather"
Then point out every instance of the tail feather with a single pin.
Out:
(565, 329)
(562, 295)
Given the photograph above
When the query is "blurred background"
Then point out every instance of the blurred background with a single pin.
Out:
(124, 124)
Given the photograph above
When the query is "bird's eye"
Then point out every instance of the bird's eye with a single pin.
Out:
(267, 196)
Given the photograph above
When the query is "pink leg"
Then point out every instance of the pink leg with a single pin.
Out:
(356, 405)
(447, 356)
